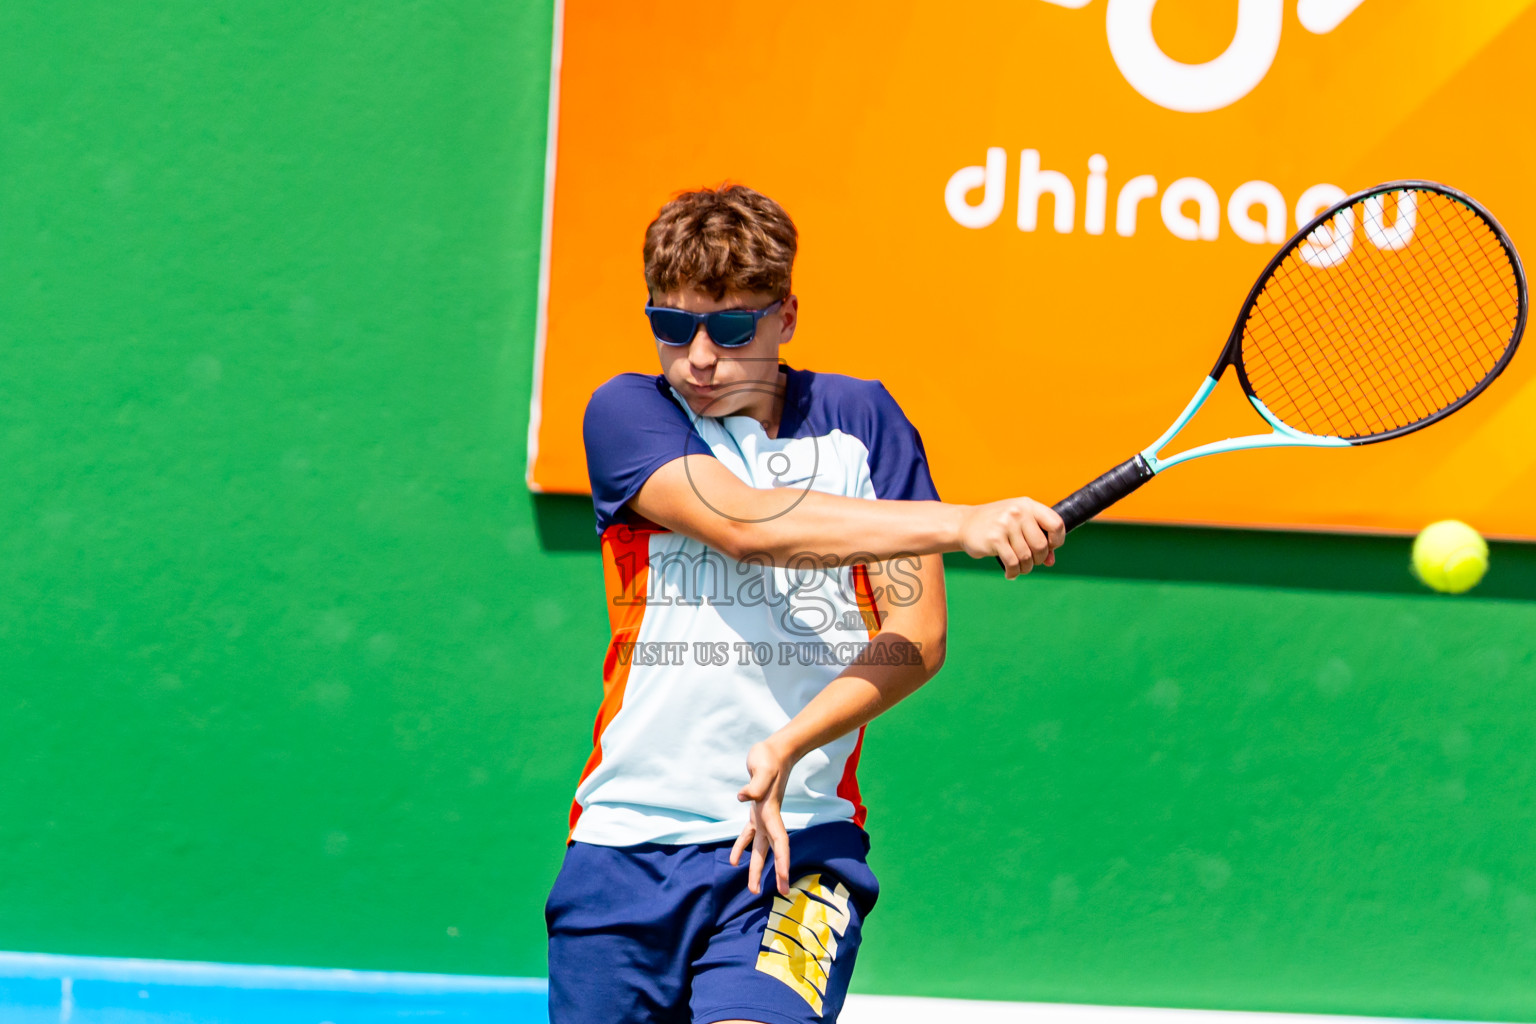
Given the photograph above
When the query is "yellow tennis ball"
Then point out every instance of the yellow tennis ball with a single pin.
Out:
(1450, 556)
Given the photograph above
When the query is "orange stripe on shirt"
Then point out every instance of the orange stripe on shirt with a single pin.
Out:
(866, 595)
(848, 785)
(626, 554)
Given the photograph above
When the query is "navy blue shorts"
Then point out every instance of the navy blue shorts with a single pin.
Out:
(656, 934)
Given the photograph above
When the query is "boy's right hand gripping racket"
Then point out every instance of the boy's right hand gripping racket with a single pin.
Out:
(1390, 310)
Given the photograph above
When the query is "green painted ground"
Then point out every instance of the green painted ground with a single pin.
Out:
(1214, 796)
(292, 669)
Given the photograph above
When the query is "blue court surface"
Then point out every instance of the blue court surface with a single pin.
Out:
(43, 989)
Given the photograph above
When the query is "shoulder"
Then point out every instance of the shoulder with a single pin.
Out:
(852, 404)
(630, 395)
(629, 387)
(866, 410)
(841, 388)
(632, 427)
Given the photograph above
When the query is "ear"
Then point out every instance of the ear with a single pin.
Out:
(789, 315)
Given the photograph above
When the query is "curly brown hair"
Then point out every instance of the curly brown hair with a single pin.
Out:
(718, 240)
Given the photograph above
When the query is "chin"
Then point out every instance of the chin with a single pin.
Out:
(717, 404)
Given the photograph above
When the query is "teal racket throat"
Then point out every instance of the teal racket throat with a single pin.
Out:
(1281, 437)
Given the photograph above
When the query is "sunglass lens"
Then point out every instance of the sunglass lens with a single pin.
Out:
(731, 328)
(672, 326)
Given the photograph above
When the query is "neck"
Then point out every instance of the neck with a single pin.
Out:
(767, 406)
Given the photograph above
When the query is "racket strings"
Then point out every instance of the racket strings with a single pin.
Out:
(1479, 284)
(1294, 377)
(1311, 363)
(1385, 400)
(1464, 365)
(1481, 299)
(1379, 320)
(1434, 385)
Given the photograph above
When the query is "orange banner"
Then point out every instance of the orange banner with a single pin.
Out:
(1036, 220)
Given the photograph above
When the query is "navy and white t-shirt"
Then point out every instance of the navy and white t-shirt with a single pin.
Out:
(709, 655)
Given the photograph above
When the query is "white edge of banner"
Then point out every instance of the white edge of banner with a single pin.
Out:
(541, 326)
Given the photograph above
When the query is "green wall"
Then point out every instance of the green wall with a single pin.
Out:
(293, 669)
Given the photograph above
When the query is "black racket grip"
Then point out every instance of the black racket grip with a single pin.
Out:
(1076, 509)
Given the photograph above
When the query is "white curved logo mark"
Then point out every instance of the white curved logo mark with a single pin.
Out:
(1198, 88)
(1323, 16)
(1194, 88)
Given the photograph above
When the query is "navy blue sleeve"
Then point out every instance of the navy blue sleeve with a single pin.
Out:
(898, 466)
(631, 429)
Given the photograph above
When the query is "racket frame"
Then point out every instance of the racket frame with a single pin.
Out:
(1284, 436)
(1093, 498)
(1231, 355)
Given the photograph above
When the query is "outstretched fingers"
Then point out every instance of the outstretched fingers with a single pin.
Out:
(764, 830)
(742, 842)
(768, 835)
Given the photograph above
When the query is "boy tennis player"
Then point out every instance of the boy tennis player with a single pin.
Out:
(770, 542)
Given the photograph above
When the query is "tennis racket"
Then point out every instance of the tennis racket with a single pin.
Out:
(1388, 312)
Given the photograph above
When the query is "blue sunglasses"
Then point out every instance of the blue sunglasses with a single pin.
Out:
(728, 328)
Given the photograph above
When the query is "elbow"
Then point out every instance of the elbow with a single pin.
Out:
(934, 652)
(744, 541)
(922, 642)
(734, 539)
(922, 649)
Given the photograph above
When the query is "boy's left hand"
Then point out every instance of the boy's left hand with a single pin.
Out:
(769, 771)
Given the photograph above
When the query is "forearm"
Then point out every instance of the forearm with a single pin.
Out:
(844, 531)
(891, 669)
(699, 498)
(905, 654)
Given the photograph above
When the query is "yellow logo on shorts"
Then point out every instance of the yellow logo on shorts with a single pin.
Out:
(800, 942)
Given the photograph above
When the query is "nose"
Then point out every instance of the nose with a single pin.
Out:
(701, 352)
